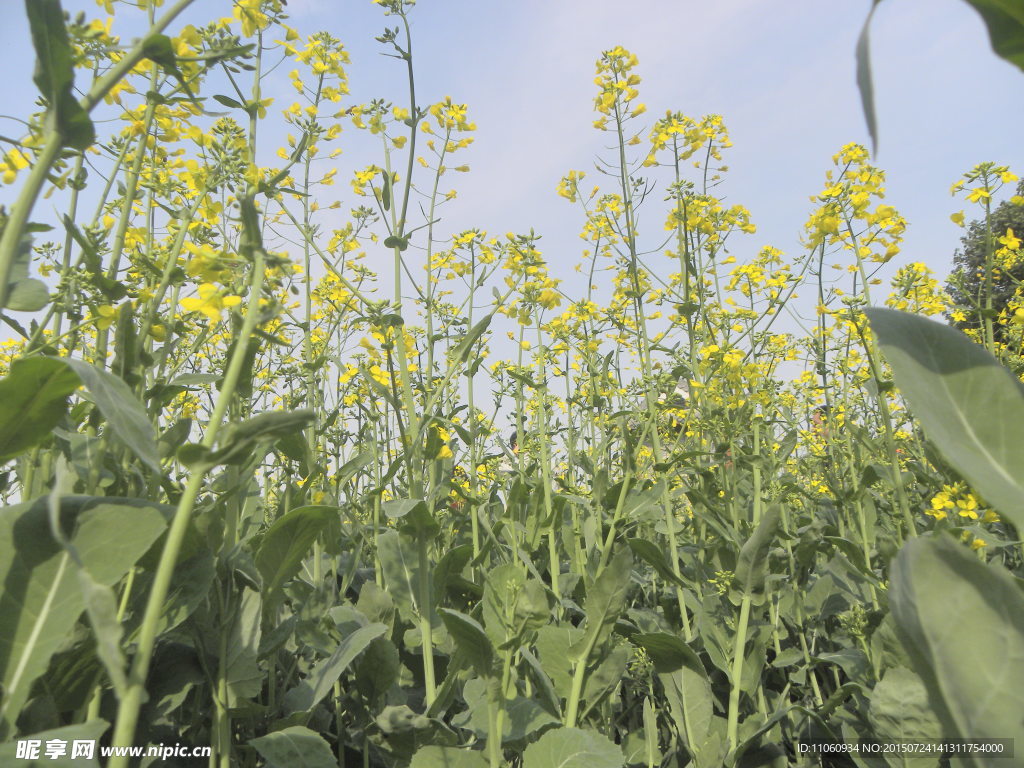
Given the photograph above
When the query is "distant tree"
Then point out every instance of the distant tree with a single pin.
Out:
(966, 282)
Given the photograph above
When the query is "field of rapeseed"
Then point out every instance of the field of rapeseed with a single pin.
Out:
(321, 485)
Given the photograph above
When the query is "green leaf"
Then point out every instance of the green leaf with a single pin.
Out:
(377, 669)
(962, 623)
(433, 756)
(295, 747)
(33, 398)
(1005, 22)
(286, 543)
(241, 667)
(54, 75)
(752, 565)
(637, 501)
(413, 513)
(91, 730)
(685, 682)
(970, 406)
(864, 83)
(552, 640)
(573, 748)
(605, 677)
(605, 602)
(322, 677)
(25, 294)
(41, 600)
(238, 441)
(545, 688)
(123, 411)
(470, 638)
(651, 554)
(900, 712)
(385, 192)
(28, 295)
(400, 563)
(101, 608)
(514, 607)
(523, 716)
(160, 49)
(401, 243)
(465, 346)
(668, 652)
(227, 101)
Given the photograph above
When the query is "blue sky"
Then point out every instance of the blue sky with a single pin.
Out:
(781, 74)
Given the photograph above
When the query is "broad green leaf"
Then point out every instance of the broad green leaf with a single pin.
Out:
(573, 748)
(864, 82)
(606, 600)
(295, 747)
(552, 642)
(433, 756)
(668, 651)
(470, 638)
(465, 346)
(1005, 22)
(352, 466)
(91, 730)
(286, 543)
(33, 397)
(24, 293)
(651, 554)
(900, 711)
(543, 684)
(970, 406)
(606, 676)
(101, 608)
(322, 677)
(189, 589)
(375, 603)
(449, 567)
(237, 441)
(413, 513)
(638, 501)
(400, 563)
(54, 72)
(54, 75)
(523, 716)
(685, 683)
(514, 607)
(241, 667)
(377, 669)
(27, 295)
(752, 565)
(124, 413)
(41, 599)
(962, 623)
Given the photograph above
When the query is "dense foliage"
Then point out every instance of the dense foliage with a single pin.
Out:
(261, 491)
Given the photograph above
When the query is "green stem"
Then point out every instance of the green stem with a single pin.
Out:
(128, 712)
(737, 673)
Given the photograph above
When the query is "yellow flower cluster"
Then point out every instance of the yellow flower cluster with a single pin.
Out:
(915, 290)
(685, 136)
(616, 85)
(985, 180)
(959, 500)
(211, 302)
(847, 214)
